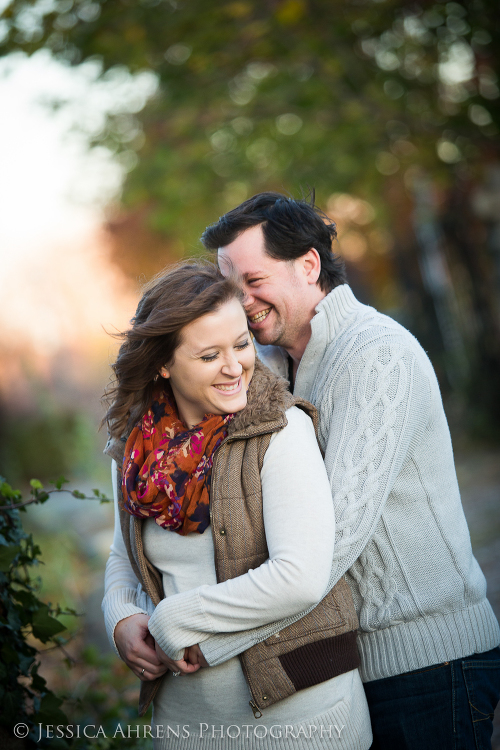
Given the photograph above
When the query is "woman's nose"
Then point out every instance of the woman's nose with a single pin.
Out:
(232, 366)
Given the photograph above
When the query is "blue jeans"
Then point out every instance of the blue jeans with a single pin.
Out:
(445, 706)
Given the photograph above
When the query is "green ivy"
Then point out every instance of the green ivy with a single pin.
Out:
(25, 697)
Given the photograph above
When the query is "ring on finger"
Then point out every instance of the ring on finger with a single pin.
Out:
(142, 671)
(175, 674)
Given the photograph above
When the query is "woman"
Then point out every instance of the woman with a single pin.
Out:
(209, 440)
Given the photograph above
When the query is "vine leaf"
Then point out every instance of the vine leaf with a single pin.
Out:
(7, 555)
(45, 626)
(60, 481)
(50, 712)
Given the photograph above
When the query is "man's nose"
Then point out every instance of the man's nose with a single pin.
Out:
(248, 300)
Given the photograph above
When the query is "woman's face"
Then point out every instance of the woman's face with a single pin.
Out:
(213, 365)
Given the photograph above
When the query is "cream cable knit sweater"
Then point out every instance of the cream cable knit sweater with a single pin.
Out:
(401, 535)
(296, 504)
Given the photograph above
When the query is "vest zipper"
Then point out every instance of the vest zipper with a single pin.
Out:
(256, 710)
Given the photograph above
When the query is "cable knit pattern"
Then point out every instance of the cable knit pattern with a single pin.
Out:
(401, 536)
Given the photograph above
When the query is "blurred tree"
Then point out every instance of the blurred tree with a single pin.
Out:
(395, 102)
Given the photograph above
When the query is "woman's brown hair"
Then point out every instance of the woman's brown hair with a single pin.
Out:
(171, 300)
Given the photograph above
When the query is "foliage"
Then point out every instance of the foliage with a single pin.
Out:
(45, 441)
(25, 619)
(281, 94)
(362, 99)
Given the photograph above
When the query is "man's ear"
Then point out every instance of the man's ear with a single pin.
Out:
(311, 263)
(165, 372)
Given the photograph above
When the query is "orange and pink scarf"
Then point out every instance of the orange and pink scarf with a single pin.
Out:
(167, 468)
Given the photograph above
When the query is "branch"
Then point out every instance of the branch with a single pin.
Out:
(61, 646)
(44, 496)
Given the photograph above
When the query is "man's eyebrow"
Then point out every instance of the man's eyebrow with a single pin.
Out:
(253, 274)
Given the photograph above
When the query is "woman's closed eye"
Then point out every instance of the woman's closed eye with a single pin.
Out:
(209, 357)
(212, 357)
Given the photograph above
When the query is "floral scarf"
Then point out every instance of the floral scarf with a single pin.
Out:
(167, 468)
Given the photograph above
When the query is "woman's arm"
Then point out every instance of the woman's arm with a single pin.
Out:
(120, 581)
(300, 530)
(126, 622)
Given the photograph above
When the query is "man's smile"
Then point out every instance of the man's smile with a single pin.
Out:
(260, 316)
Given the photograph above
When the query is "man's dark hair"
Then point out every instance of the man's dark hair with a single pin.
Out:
(290, 227)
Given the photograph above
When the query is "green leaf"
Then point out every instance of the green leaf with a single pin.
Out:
(80, 495)
(60, 481)
(38, 683)
(102, 497)
(26, 598)
(50, 712)
(9, 655)
(7, 555)
(66, 611)
(10, 705)
(7, 492)
(36, 484)
(45, 626)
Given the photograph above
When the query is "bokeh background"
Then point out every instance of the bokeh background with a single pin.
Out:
(126, 126)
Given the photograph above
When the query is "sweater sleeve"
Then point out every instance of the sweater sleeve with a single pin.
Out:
(374, 413)
(120, 581)
(299, 525)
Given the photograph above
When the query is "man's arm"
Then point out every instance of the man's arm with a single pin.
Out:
(382, 406)
(300, 530)
(381, 400)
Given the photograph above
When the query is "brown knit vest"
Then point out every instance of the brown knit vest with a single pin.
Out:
(319, 646)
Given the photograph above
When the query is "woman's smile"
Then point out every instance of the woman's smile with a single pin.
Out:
(213, 365)
(229, 387)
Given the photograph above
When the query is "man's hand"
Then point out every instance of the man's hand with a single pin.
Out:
(194, 655)
(184, 666)
(136, 647)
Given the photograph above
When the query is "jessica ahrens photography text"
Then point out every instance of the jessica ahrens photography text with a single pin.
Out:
(202, 730)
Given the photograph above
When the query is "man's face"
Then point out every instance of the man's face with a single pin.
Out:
(274, 289)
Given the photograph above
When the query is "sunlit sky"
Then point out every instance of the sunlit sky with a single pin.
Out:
(56, 283)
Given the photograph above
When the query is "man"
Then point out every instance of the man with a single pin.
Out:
(428, 635)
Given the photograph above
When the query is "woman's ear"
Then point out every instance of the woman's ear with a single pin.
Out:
(165, 372)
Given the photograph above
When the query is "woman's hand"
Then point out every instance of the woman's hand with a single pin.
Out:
(184, 666)
(136, 647)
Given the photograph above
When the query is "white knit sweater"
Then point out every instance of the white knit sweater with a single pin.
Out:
(296, 503)
(401, 535)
